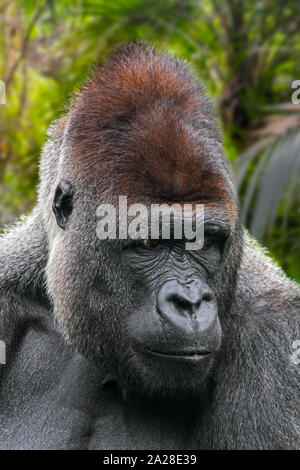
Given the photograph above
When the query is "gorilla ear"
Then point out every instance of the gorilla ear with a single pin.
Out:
(62, 204)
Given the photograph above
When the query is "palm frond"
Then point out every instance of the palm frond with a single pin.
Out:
(271, 184)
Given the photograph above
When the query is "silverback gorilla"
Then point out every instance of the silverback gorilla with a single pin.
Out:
(141, 344)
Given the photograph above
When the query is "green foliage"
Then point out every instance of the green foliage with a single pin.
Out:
(269, 193)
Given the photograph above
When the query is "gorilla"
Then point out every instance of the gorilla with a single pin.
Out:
(140, 343)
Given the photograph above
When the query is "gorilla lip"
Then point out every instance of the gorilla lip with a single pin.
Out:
(180, 355)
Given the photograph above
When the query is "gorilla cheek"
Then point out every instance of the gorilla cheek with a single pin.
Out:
(68, 286)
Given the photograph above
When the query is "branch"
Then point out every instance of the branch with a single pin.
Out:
(25, 44)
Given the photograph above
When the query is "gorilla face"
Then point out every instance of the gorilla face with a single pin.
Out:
(149, 312)
(145, 310)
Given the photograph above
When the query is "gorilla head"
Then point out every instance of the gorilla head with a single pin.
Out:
(152, 313)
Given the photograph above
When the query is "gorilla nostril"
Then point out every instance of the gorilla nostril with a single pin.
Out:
(207, 297)
(183, 304)
(180, 302)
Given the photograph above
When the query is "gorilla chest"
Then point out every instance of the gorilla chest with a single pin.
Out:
(130, 426)
(65, 419)
(53, 399)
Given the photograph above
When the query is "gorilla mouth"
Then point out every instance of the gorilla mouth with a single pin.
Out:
(180, 355)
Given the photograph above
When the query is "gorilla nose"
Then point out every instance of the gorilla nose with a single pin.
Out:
(189, 305)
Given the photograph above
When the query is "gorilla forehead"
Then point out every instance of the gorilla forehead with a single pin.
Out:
(143, 125)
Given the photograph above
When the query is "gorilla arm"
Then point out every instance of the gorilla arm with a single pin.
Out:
(23, 257)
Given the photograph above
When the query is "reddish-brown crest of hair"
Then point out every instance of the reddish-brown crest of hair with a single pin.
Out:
(141, 126)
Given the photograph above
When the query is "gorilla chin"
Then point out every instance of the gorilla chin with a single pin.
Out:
(170, 371)
(148, 375)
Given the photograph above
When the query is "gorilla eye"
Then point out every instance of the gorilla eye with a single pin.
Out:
(209, 241)
(63, 203)
(214, 240)
(148, 243)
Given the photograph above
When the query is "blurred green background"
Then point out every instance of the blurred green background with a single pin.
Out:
(246, 51)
